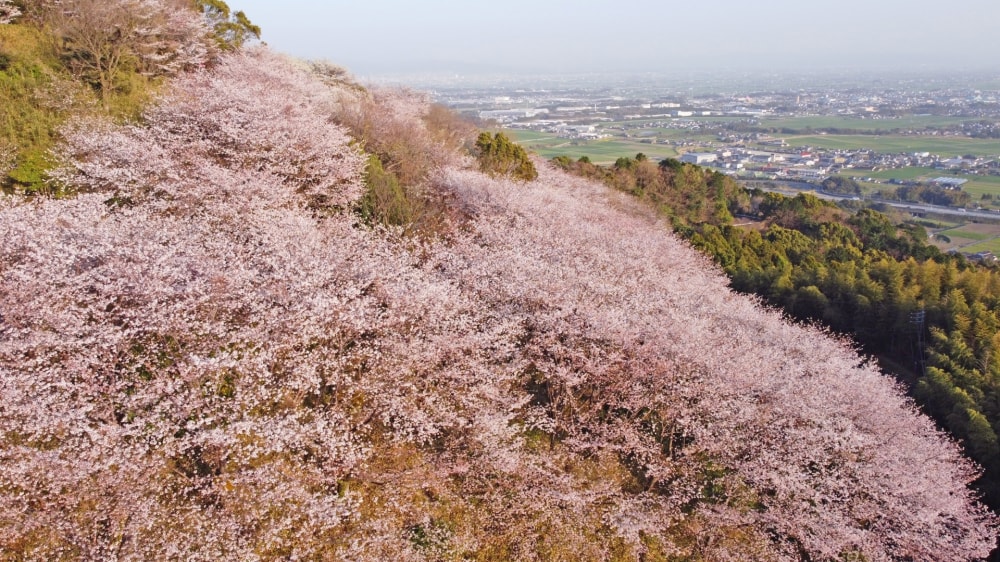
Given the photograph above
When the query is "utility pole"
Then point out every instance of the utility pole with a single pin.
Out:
(917, 320)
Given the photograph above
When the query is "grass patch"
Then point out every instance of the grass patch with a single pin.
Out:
(957, 233)
(522, 136)
(602, 151)
(907, 174)
(987, 246)
(978, 185)
(933, 223)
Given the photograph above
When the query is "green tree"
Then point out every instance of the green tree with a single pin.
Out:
(498, 156)
(981, 439)
(670, 164)
(809, 303)
(232, 29)
(875, 229)
(837, 184)
(624, 163)
(384, 201)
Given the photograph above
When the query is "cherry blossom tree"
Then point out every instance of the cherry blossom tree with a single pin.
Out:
(8, 12)
(240, 116)
(204, 356)
(101, 39)
(643, 351)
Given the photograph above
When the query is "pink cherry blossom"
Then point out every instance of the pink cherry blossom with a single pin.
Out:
(203, 356)
(8, 11)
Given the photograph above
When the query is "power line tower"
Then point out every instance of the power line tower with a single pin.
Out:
(917, 320)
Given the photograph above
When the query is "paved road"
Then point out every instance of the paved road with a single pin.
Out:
(797, 187)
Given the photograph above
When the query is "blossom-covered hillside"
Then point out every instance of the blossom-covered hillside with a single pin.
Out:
(205, 355)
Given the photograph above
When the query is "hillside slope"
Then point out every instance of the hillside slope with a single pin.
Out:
(204, 356)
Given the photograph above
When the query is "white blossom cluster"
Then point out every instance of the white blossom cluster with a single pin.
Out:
(8, 12)
(204, 357)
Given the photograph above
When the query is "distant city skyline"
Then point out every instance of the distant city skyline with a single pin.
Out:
(384, 37)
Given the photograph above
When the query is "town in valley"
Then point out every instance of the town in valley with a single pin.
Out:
(930, 146)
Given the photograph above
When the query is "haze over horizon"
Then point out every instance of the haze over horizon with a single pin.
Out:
(385, 37)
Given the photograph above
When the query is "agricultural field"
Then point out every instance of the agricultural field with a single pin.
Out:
(980, 185)
(712, 119)
(969, 238)
(992, 245)
(892, 144)
(604, 151)
(908, 174)
(916, 122)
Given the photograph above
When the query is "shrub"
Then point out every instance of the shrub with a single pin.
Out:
(411, 141)
(498, 156)
(384, 201)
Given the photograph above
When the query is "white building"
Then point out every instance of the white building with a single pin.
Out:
(511, 114)
(807, 173)
(950, 183)
(699, 157)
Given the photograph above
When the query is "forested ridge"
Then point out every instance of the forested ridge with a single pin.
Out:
(858, 272)
(253, 310)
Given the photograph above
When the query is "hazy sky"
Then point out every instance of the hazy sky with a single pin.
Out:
(373, 37)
